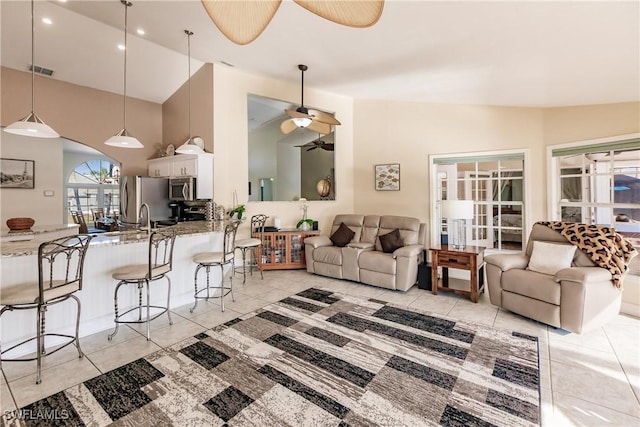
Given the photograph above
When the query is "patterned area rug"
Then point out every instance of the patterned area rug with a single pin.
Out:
(317, 358)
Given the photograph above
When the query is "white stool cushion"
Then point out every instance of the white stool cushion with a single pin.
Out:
(27, 293)
(138, 272)
(209, 258)
(247, 243)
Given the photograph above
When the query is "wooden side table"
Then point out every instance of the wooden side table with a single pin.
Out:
(470, 258)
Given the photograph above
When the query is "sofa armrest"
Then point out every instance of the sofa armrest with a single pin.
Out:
(361, 245)
(408, 251)
(318, 241)
(507, 262)
(583, 274)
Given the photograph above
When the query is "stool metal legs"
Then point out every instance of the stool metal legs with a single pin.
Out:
(221, 288)
(147, 318)
(254, 262)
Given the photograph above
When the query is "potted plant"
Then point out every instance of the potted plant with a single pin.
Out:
(237, 212)
(305, 223)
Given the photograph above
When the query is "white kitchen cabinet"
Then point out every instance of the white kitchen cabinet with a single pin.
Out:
(199, 166)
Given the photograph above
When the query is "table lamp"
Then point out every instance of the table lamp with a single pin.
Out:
(457, 212)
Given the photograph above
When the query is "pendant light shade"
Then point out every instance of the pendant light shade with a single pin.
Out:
(122, 139)
(32, 125)
(192, 145)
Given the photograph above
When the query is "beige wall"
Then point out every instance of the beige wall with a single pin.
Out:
(407, 133)
(569, 124)
(48, 176)
(231, 135)
(85, 115)
(175, 111)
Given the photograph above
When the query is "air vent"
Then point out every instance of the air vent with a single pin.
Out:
(41, 70)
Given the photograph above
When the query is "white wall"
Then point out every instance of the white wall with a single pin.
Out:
(231, 144)
(47, 154)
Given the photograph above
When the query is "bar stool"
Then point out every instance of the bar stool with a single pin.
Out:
(253, 243)
(207, 260)
(158, 265)
(55, 285)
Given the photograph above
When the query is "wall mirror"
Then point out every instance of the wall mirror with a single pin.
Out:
(286, 167)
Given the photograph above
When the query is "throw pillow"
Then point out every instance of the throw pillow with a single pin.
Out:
(342, 236)
(549, 258)
(391, 241)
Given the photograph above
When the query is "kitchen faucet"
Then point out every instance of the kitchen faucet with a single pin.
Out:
(144, 205)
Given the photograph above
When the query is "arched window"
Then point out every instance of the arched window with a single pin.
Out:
(94, 184)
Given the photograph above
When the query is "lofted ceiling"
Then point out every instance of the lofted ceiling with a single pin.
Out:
(537, 53)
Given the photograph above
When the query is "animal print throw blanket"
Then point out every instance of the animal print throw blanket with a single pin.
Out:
(603, 245)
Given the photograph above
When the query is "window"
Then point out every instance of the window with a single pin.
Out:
(94, 184)
(598, 183)
(496, 184)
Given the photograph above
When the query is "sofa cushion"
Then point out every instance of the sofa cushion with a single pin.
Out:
(353, 221)
(532, 284)
(409, 229)
(377, 261)
(549, 258)
(342, 236)
(328, 255)
(391, 241)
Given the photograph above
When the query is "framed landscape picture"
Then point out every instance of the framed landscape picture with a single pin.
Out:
(16, 173)
(388, 177)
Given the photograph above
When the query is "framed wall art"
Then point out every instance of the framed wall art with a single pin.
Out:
(16, 173)
(388, 177)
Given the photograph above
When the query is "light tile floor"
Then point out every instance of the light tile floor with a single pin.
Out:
(591, 379)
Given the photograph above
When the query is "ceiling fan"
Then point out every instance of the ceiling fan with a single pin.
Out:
(243, 21)
(312, 145)
(303, 117)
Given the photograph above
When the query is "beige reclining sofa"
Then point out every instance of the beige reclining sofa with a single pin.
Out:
(577, 299)
(362, 259)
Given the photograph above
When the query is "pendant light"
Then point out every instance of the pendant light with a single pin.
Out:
(32, 125)
(123, 139)
(191, 146)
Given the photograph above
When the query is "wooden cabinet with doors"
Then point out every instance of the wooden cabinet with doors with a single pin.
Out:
(284, 249)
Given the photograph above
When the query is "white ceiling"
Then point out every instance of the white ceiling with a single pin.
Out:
(538, 53)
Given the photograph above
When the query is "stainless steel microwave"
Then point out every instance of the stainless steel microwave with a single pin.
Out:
(182, 188)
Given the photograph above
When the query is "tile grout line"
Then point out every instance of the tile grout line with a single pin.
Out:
(633, 390)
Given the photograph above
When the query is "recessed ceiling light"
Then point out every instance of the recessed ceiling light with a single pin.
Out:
(121, 46)
(63, 1)
(140, 31)
(47, 21)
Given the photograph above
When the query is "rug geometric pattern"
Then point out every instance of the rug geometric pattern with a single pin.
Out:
(318, 358)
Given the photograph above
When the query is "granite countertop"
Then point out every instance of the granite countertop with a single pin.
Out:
(38, 229)
(183, 229)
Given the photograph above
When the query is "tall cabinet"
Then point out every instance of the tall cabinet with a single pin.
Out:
(186, 165)
(283, 249)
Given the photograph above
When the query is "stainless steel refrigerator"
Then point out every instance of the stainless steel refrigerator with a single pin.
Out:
(136, 190)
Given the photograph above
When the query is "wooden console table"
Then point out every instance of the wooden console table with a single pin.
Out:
(470, 258)
(284, 249)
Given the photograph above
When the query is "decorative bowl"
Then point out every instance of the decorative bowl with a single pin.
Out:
(19, 224)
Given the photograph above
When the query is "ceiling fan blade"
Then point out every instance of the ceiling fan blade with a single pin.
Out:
(308, 144)
(319, 127)
(312, 148)
(297, 114)
(288, 126)
(328, 147)
(241, 21)
(323, 117)
(357, 14)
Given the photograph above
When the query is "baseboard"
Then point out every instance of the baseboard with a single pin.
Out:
(630, 309)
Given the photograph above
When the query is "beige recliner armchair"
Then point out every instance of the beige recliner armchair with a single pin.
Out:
(577, 299)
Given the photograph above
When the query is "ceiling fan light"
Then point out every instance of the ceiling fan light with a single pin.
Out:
(123, 140)
(301, 122)
(33, 126)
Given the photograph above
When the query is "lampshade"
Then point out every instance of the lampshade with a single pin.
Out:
(191, 146)
(122, 139)
(457, 209)
(32, 125)
(302, 122)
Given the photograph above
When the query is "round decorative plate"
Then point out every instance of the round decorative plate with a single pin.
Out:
(171, 150)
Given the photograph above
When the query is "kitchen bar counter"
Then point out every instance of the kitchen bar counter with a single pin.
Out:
(107, 252)
(39, 232)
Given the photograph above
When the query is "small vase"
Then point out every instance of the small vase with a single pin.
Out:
(304, 226)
